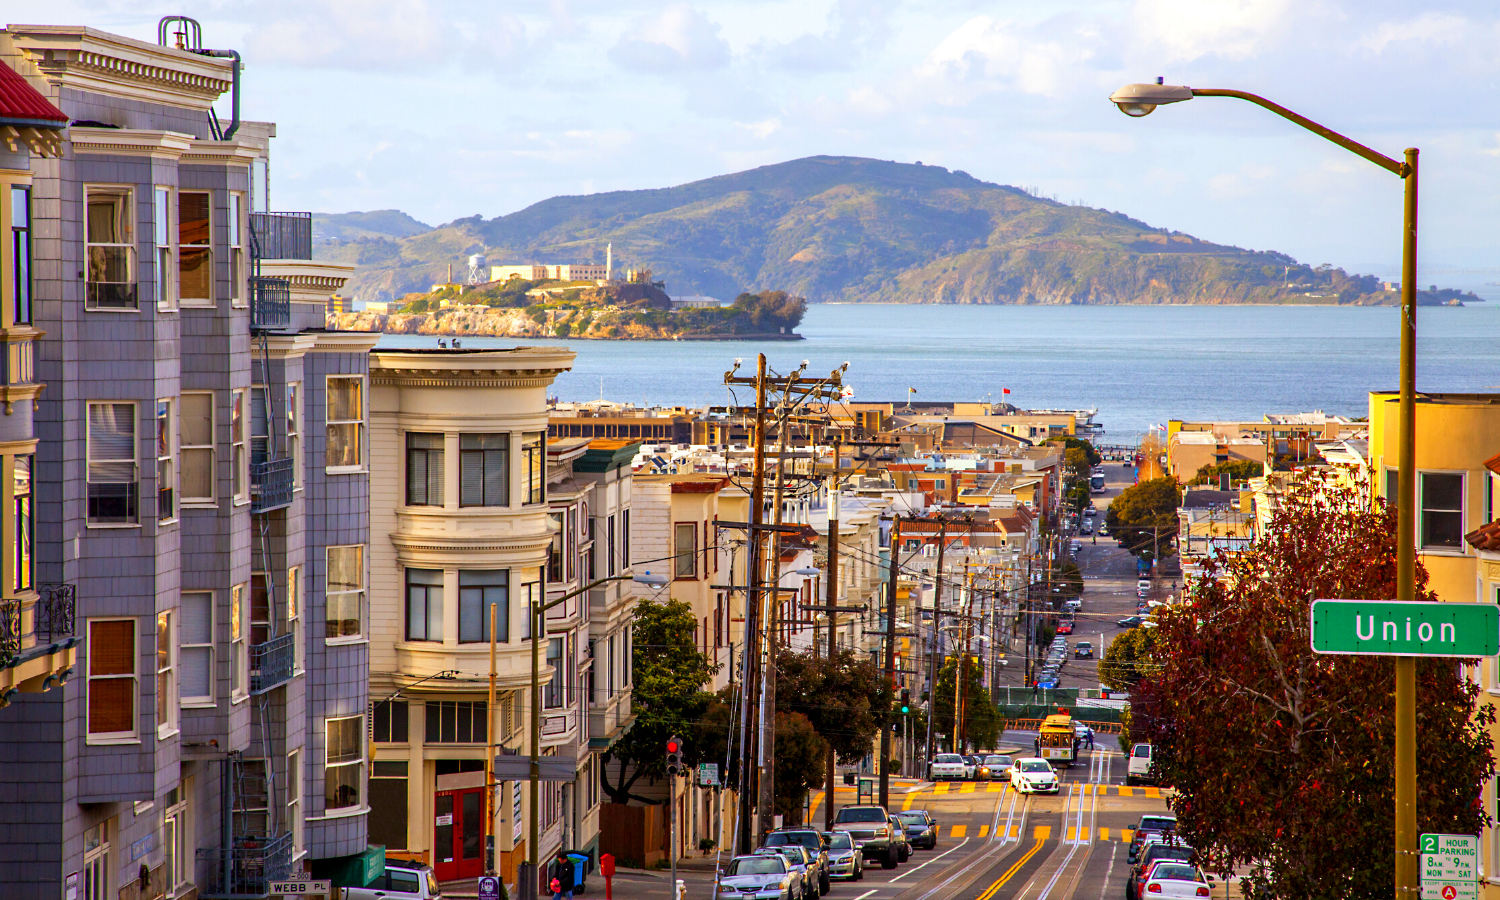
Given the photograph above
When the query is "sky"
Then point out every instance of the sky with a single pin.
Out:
(447, 109)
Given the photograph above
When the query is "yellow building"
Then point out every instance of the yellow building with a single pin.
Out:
(1456, 433)
(1485, 543)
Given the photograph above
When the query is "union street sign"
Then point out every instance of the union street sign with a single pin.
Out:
(1389, 628)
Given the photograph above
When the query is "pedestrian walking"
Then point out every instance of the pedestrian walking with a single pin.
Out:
(562, 877)
(1090, 737)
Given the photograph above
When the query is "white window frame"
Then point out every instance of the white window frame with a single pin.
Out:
(213, 281)
(239, 442)
(166, 248)
(359, 762)
(294, 431)
(166, 458)
(134, 460)
(177, 842)
(129, 244)
(359, 423)
(359, 594)
(209, 449)
(1463, 509)
(167, 699)
(294, 799)
(207, 700)
(294, 601)
(239, 274)
(134, 676)
(239, 643)
(98, 876)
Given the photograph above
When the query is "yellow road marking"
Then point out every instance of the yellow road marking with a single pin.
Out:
(818, 796)
(984, 830)
(1042, 832)
(940, 788)
(912, 797)
(957, 830)
(1126, 791)
(1010, 873)
(1072, 829)
(1083, 834)
(968, 788)
(1103, 832)
(1015, 831)
(994, 786)
(1127, 834)
(1150, 791)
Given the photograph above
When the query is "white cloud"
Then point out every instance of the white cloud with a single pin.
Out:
(1176, 31)
(1428, 28)
(679, 39)
(762, 129)
(381, 35)
(985, 53)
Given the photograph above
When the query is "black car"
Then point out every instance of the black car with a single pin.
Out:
(921, 828)
(1130, 621)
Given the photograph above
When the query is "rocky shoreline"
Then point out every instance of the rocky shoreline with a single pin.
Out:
(471, 321)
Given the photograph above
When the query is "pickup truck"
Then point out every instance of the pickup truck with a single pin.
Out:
(870, 827)
(402, 880)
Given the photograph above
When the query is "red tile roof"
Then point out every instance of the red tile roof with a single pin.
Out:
(1493, 464)
(22, 103)
(1485, 537)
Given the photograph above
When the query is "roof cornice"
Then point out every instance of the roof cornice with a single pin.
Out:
(129, 142)
(113, 65)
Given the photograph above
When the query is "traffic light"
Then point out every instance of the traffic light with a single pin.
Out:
(905, 702)
(674, 755)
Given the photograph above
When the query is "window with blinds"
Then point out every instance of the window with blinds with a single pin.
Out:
(195, 264)
(424, 469)
(484, 470)
(344, 591)
(195, 645)
(424, 605)
(114, 490)
(112, 679)
(343, 773)
(477, 590)
(196, 447)
(685, 550)
(24, 524)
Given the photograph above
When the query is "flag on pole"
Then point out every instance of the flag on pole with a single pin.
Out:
(1005, 390)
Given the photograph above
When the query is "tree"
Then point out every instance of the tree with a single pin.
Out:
(1238, 470)
(1144, 516)
(847, 699)
(1283, 759)
(1127, 659)
(799, 750)
(1070, 442)
(769, 310)
(1068, 582)
(981, 719)
(668, 698)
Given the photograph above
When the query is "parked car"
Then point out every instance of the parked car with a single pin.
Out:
(1064, 627)
(1103, 530)
(999, 766)
(898, 836)
(799, 862)
(812, 842)
(946, 767)
(1139, 768)
(1032, 774)
(1151, 824)
(402, 880)
(1130, 621)
(1090, 511)
(1157, 850)
(871, 830)
(1171, 880)
(844, 857)
(971, 765)
(921, 828)
(1083, 650)
(1047, 682)
(759, 877)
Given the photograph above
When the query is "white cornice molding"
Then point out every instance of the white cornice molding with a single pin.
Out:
(345, 341)
(129, 142)
(290, 346)
(528, 366)
(476, 379)
(237, 152)
(98, 62)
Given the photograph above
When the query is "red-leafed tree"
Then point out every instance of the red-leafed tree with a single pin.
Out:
(1283, 759)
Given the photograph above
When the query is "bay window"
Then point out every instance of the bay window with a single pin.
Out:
(109, 245)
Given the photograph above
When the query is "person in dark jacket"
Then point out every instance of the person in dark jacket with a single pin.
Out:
(562, 872)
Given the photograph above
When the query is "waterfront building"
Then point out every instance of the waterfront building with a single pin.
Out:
(191, 510)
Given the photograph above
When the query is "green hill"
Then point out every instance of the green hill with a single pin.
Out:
(377, 223)
(846, 229)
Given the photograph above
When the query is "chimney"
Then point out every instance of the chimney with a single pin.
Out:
(1223, 481)
(609, 261)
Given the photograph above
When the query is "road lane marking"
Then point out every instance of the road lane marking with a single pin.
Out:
(1104, 834)
(1011, 872)
(1072, 832)
(912, 798)
(1127, 835)
(994, 787)
(1108, 871)
(984, 830)
(968, 788)
(1150, 791)
(1041, 832)
(928, 862)
(942, 786)
(868, 893)
(957, 830)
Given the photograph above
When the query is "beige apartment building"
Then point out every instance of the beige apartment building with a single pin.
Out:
(462, 524)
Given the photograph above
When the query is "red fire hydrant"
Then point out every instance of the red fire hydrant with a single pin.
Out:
(607, 869)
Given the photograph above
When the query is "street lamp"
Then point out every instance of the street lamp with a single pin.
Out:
(1141, 99)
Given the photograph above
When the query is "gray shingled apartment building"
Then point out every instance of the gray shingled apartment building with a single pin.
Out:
(184, 460)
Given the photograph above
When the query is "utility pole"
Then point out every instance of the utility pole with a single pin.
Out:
(752, 604)
(489, 759)
(767, 792)
(831, 600)
(890, 661)
(961, 671)
(934, 663)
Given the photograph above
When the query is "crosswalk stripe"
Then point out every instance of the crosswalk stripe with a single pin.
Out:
(1103, 832)
(1042, 832)
(995, 787)
(984, 830)
(1127, 835)
(940, 788)
(968, 788)
(1015, 831)
(1125, 791)
(1072, 829)
(1153, 792)
(957, 831)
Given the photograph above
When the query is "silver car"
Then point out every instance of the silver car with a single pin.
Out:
(760, 877)
(800, 862)
(845, 859)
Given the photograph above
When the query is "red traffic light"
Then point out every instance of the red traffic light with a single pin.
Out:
(672, 747)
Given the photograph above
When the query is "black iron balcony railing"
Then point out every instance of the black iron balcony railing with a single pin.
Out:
(10, 630)
(247, 868)
(270, 303)
(271, 663)
(55, 612)
(281, 235)
(271, 484)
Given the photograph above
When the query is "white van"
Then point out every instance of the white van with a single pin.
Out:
(1139, 769)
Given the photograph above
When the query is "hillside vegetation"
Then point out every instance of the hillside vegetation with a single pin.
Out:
(846, 229)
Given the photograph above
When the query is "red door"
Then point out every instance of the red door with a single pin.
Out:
(458, 834)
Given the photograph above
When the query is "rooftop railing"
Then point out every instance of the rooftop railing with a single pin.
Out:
(281, 235)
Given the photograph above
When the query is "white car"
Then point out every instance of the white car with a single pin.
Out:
(759, 878)
(1139, 767)
(844, 857)
(947, 767)
(1171, 879)
(1032, 775)
(1082, 731)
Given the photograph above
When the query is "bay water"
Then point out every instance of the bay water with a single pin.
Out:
(1137, 365)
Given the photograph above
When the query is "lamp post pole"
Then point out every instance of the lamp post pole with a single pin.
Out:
(1140, 100)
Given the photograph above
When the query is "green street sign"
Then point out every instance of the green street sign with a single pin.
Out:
(1387, 628)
